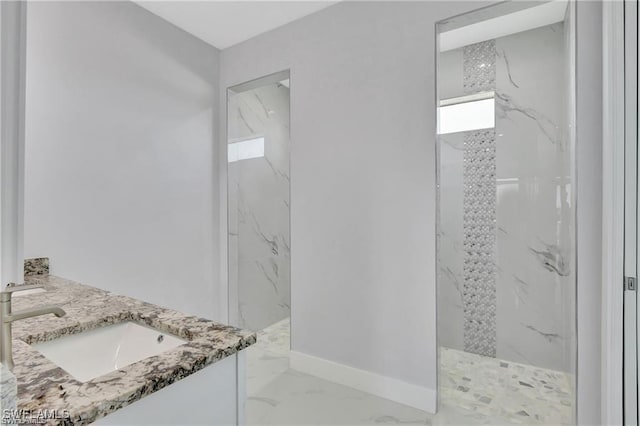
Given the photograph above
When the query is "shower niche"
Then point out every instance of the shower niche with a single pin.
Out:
(506, 284)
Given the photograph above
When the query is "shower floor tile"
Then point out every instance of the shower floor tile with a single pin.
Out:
(494, 387)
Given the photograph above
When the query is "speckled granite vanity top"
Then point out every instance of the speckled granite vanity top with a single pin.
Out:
(42, 385)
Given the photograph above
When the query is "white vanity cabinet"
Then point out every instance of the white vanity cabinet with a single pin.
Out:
(214, 395)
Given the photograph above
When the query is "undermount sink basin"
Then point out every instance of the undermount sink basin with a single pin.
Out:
(97, 352)
(28, 292)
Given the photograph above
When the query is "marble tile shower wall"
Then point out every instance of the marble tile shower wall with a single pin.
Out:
(534, 253)
(258, 196)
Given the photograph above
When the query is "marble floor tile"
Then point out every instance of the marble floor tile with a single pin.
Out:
(295, 398)
(269, 357)
(278, 395)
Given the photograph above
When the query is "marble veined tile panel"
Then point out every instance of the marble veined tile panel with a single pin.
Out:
(258, 196)
(535, 281)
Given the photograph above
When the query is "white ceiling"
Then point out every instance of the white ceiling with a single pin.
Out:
(225, 23)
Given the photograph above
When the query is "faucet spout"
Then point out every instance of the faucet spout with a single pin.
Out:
(7, 317)
(35, 312)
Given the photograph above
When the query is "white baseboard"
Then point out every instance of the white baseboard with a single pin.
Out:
(419, 397)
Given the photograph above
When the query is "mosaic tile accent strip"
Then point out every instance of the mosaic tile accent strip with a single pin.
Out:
(479, 211)
(479, 227)
(479, 67)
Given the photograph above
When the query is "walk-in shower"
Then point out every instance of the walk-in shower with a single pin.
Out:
(258, 202)
(506, 209)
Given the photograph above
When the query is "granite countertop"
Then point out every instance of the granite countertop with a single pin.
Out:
(42, 385)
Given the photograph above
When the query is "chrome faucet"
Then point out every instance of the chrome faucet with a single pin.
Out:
(7, 317)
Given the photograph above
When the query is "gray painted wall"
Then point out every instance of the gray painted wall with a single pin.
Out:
(120, 160)
(362, 179)
(362, 170)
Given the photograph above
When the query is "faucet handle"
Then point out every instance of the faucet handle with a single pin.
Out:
(5, 294)
(10, 288)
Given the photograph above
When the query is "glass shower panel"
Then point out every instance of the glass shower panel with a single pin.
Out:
(506, 209)
(258, 203)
